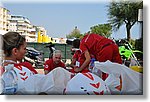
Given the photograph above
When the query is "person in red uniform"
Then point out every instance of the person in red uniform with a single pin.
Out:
(101, 48)
(78, 59)
(25, 64)
(54, 62)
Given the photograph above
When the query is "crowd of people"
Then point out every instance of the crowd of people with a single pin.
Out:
(90, 46)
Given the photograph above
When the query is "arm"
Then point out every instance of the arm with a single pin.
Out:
(75, 58)
(73, 62)
(86, 62)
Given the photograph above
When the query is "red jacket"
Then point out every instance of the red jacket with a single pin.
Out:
(102, 48)
(50, 65)
(25, 64)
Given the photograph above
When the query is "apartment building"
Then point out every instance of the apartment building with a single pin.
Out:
(4, 15)
(20, 24)
(23, 26)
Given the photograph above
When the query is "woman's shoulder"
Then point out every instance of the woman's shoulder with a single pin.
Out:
(29, 66)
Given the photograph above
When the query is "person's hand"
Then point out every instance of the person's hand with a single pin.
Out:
(77, 69)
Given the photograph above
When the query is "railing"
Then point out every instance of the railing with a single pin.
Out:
(66, 52)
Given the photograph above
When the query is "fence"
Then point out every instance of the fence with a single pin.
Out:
(66, 52)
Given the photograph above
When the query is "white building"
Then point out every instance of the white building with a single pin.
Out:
(23, 26)
(4, 15)
(60, 40)
(20, 24)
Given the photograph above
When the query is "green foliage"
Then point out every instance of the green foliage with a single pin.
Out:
(124, 13)
(74, 34)
(102, 29)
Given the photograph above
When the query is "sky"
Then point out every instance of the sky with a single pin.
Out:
(60, 18)
(144, 98)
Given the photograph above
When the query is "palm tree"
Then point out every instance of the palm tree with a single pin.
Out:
(124, 13)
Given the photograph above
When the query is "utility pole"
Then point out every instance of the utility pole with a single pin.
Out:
(140, 20)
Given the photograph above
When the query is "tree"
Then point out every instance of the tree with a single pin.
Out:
(75, 33)
(124, 13)
(102, 29)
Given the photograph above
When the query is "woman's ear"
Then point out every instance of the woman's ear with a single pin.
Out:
(14, 51)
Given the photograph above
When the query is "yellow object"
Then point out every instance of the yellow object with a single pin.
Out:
(44, 39)
(39, 39)
(137, 68)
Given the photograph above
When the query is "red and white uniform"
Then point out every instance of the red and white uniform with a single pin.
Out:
(22, 72)
(29, 66)
(50, 65)
(25, 64)
(80, 58)
(102, 48)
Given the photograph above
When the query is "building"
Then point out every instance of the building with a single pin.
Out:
(23, 26)
(4, 15)
(18, 24)
(59, 40)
